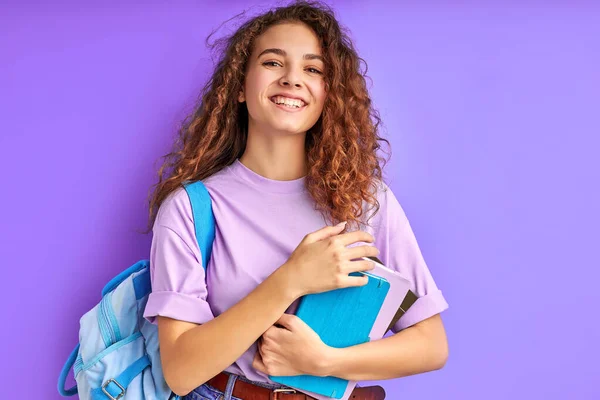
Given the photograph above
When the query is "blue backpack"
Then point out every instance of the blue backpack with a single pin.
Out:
(118, 354)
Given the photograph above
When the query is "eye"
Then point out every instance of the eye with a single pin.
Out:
(271, 62)
(314, 70)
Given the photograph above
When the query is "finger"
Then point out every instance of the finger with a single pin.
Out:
(356, 236)
(354, 281)
(361, 251)
(258, 364)
(359, 266)
(269, 332)
(261, 351)
(324, 233)
(287, 321)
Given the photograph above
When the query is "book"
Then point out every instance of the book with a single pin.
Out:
(350, 316)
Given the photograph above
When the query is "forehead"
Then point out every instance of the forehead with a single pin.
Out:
(296, 39)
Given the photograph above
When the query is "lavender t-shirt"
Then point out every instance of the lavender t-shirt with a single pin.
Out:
(258, 224)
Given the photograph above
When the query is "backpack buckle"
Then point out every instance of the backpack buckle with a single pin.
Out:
(110, 395)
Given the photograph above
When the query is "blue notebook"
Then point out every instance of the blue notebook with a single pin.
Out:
(342, 318)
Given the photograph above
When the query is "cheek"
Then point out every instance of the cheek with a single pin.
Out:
(253, 85)
(253, 101)
(320, 94)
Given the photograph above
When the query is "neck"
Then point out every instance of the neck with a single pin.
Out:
(279, 156)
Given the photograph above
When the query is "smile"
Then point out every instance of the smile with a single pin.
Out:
(288, 105)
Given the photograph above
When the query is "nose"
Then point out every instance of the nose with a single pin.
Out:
(290, 78)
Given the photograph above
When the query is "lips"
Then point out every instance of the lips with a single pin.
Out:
(287, 108)
(300, 104)
(289, 96)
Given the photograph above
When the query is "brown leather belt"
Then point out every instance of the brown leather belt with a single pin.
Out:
(248, 391)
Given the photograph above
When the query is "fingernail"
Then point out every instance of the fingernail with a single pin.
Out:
(341, 224)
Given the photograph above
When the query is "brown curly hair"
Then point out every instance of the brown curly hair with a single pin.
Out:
(343, 165)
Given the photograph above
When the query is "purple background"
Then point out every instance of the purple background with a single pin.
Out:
(493, 115)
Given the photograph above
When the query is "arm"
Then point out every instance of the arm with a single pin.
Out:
(420, 348)
(191, 354)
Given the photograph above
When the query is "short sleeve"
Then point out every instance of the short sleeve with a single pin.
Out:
(400, 251)
(178, 279)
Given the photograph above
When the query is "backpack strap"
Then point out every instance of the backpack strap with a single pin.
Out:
(204, 220)
(114, 282)
(63, 375)
(115, 388)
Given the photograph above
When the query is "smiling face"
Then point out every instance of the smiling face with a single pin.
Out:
(284, 88)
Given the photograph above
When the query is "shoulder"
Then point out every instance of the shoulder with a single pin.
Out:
(175, 210)
(388, 202)
(388, 215)
(389, 199)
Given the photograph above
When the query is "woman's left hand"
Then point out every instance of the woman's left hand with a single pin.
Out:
(294, 349)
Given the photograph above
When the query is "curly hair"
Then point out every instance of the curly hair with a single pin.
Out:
(343, 165)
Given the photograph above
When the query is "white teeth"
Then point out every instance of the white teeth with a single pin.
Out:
(293, 103)
(288, 105)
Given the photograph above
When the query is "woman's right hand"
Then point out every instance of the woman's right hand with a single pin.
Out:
(322, 262)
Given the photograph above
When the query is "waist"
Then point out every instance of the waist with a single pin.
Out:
(247, 390)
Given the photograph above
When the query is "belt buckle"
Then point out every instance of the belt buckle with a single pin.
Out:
(275, 392)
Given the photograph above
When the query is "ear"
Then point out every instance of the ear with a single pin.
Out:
(241, 96)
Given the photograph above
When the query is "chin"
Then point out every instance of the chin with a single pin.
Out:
(293, 132)
(290, 130)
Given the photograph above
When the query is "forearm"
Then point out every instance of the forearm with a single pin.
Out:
(205, 350)
(414, 350)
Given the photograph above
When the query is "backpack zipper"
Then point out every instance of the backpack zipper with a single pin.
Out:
(107, 321)
(113, 320)
(102, 323)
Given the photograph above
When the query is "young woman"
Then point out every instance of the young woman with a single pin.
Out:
(285, 141)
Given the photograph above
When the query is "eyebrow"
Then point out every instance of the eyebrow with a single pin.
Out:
(283, 53)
